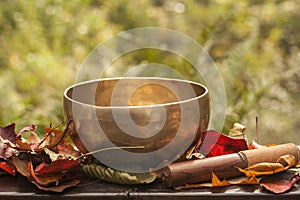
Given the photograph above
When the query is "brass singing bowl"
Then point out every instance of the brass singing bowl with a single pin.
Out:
(105, 110)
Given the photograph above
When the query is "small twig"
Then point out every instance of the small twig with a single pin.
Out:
(110, 148)
(256, 130)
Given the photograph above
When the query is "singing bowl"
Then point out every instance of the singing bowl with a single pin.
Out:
(160, 112)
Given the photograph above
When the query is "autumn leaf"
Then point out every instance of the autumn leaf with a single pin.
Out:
(283, 163)
(31, 157)
(58, 156)
(57, 166)
(287, 161)
(8, 133)
(280, 182)
(215, 181)
(216, 144)
(255, 145)
(58, 188)
(237, 131)
(6, 151)
(235, 181)
(44, 180)
(52, 138)
(24, 167)
(250, 181)
(64, 147)
(21, 166)
(7, 167)
(29, 144)
(26, 129)
(64, 150)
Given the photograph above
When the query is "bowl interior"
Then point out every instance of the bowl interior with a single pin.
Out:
(134, 92)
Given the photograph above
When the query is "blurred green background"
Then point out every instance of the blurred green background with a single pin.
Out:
(255, 45)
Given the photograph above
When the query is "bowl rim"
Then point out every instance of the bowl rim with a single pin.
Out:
(137, 106)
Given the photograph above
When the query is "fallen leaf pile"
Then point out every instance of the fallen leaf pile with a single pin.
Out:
(50, 163)
(53, 164)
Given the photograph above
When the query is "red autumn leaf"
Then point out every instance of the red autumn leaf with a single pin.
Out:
(216, 144)
(44, 180)
(57, 166)
(7, 167)
(8, 133)
(22, 168)
(280, 182)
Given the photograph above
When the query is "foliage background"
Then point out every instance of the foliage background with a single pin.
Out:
(254, 43)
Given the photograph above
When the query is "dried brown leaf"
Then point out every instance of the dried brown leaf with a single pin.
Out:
(30, 143)
(6, 151)
(21, 166)
(64, 147)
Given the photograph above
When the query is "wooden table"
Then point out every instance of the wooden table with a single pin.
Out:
(19, 188)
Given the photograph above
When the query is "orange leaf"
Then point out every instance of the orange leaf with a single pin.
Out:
(255, 145)
(215, 181)
(49, 130)
(251, 181)
(7, 167)
(242, 180)
(52, 138)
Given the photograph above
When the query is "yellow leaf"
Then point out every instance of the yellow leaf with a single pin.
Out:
(215, 181)
(284, 162)
(287, 161)
(262, 169)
